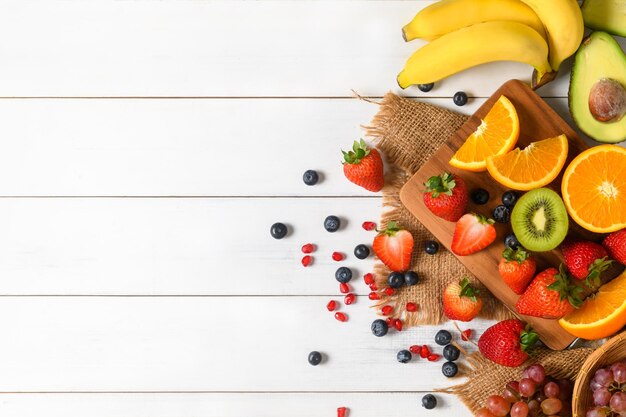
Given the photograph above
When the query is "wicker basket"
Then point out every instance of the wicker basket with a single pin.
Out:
(612, 351)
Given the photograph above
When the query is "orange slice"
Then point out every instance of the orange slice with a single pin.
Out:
(602, 314)
(496, 135)
(533, 167)
(594, 189)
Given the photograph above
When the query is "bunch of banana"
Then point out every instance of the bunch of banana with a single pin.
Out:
(466, 33)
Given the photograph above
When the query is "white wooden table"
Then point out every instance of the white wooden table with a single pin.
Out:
(145, 149)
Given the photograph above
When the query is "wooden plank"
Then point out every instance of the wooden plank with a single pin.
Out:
(537, 121)
(223, 405)
(219, 344)
(169, 147)
(221, 48)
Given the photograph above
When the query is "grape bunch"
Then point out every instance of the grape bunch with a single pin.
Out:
(608, 386)
(535, 395)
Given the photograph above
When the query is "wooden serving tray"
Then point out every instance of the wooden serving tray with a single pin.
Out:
(537, 121)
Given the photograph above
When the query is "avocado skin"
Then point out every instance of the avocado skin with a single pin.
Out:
(605, 15)
(598, 57)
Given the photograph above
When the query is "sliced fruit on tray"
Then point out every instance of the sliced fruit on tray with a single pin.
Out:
(535, 166)
(496, 135)
(594, 189)
(551, 295)
(446, 196)
(597, 90)
(606, 15)
(507, 343)
(602, 314)
(394, 247)
(539, 220)
(472, 234)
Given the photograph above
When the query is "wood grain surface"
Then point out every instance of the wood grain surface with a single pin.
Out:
(537, 121)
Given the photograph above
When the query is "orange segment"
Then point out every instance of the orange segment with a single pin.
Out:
(602, 314)
(497, 134)
(533, 167)
(594, 189)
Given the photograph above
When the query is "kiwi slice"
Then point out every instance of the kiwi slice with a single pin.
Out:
(539, 220)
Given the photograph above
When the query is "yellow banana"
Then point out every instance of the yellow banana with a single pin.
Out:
(475, 45)
(564, 26)
(446, 16)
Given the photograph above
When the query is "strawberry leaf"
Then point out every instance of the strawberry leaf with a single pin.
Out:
(358, 152)
(595, 270)
(440, 184)
(392, 229)
(563, 285)
(467, 290)
(528, 338)
(518, 255)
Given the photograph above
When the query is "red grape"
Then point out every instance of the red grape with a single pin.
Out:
(510, 395)
(618, 402)
(484, 412)
(551, 406)
(533, 407)
(619, 372)
(537, 373)
(519, 409)
(498, 405)
(527, 387)
(601, 396)
(597, 412)
(604, 377)
(551, 389)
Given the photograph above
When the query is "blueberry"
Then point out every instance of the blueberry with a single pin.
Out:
(443, 337)
(431, 247)
(395, 280)
(460, 98)
(451, 352)
(480, 196)
(404, 356)
(429, 401)
(449, 369)
(343, 274)
(511, 241)
(502, 214)
(509, 198)
(332, 223)
(379, 328)
(315, 358)
(278, 230)
(411, 278)
(426, 87)
(310, 177)
(361, 251)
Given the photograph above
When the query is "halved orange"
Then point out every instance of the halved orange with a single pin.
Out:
(594, 189)
(497, 134)
(532, 167)
(602, 314)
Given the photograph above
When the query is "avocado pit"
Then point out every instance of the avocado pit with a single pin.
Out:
(607, 100)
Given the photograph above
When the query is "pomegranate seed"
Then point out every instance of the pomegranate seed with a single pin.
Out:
(341, 316)
(387, 310)
(341, 411)
(433, 357)
(373, 286)
(332, 305)
(308, 248)
(424, 351)
(368, 278)
(390, 321)
(369, 226)
(349, 299)
(415, 349)
(344, 288)
(397, 323)
(337, 256)
(373, 296)
(466, 334)
(306, 260)
(389, 291)
(412, 307)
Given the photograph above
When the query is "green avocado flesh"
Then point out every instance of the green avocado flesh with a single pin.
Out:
(598, 58)
(606, 15)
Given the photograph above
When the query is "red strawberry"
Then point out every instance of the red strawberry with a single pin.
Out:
(364, 167)
(551, 295)
(472, 233)
(394, 246)
(460, 301)
(446, 196)
(585, 260)
(517, 268)
(507, 343)
(615, 244)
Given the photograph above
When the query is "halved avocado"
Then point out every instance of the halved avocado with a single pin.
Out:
(606, 15)
(597, 89)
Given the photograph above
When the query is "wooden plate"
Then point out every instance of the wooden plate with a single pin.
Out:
(537, 121)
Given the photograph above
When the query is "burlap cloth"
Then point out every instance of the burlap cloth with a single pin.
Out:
(408, 132)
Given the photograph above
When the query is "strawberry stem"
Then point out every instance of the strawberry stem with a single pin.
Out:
(440, 184)
(358, 152)
(392, 229)
(528, 338)
(563, 285)
(467, 290)
(518, 255)
(595, 270)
